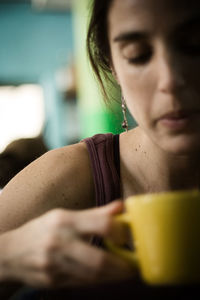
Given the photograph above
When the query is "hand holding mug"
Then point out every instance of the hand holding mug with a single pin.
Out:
(166, 232)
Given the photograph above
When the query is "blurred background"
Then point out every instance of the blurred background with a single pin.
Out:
(49, 97)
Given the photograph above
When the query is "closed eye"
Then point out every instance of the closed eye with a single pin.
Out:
(140, 59)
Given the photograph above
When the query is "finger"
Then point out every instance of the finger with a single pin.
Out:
(98, 221)
(81, 264)
(93, 264)
(112, 208)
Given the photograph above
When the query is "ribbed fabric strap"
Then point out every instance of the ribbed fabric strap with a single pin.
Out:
(104, 155)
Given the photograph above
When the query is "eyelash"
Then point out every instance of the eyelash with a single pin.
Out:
(141, 59)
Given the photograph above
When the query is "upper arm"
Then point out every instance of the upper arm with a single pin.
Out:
(59, 178)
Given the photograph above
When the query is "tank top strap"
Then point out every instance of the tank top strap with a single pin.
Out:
(104, 156)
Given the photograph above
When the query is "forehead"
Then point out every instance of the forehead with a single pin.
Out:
(150, 14)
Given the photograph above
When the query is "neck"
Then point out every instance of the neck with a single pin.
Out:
(167, 171)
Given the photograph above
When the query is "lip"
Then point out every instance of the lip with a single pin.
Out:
(179, 120)
(179, 114)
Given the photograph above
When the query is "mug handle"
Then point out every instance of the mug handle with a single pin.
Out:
(130, 256)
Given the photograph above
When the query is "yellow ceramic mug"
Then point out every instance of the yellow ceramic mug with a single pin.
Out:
(166, 233)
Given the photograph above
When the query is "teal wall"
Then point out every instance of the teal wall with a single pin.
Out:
(34, 46)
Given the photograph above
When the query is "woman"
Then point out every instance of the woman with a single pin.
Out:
(152, 48)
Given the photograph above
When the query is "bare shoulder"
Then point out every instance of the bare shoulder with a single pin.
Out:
(70, 176)
(59, 178)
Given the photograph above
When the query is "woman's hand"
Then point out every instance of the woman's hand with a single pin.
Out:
(53, 250)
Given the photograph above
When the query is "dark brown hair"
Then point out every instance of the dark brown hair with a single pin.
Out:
(98, 44)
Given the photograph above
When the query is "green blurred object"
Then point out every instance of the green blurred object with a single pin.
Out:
(95, 116)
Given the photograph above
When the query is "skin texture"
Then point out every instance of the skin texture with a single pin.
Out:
(58, 254)
(168, 80)
(54, 249)
(156, 75)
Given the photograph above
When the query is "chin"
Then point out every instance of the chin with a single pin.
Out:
(181, 145)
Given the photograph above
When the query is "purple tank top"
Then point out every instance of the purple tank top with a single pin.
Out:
(104, 156)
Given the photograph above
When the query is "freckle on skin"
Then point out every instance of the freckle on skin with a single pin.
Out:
(135, 149)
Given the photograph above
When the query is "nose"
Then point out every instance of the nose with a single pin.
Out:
(170, 73)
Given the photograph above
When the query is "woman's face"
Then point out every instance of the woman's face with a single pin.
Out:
(155, 50)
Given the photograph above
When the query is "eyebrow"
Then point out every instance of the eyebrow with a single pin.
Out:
(133, 36)
(189, 23)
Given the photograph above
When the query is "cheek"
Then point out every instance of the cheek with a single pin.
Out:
(193, 77)
(139, 88)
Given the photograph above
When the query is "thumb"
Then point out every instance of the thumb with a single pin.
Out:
(112, 208)
(97, 220)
